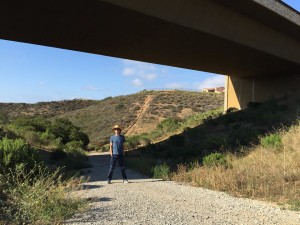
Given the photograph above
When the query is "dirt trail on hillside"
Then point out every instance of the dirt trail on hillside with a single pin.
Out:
(140, 115)
(147, 201)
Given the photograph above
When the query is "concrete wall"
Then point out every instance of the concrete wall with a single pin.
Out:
(240, 91)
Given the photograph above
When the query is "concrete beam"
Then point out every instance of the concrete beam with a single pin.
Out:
(195, 34)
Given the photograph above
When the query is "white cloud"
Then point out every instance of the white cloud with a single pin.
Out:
(141, 71)
(127, 71)
(137, 82)
(90, 88)
(216, 81)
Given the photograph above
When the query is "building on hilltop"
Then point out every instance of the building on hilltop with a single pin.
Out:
(215, 90)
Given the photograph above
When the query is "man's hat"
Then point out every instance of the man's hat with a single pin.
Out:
(116, 127)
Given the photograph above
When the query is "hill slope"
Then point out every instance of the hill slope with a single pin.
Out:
(140, 112)
(137, 113)
(45, 109)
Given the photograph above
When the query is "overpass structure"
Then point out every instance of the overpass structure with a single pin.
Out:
(256, 43)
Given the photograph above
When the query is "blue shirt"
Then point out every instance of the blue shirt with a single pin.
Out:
(117, 144)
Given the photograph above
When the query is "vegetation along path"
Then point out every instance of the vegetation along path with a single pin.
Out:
(153, 201)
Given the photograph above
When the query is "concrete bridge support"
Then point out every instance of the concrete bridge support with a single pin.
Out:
(240, 91)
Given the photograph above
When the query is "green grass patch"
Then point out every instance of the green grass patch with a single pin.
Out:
(271, 141)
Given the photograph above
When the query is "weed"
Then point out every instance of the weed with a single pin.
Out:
(161, 171)
(271, 141)
(215, 159)
(294, 205)
(37, 196)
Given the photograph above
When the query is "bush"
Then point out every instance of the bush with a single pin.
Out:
(215, 143)
(169, 125)
(132, 142)
(271, 141)
(215, 159)
(47, 137)
(161, 171)
(37, 197)
(58, 143)
(13, 152)
(119, 106)
(32, 137)
(73, 145)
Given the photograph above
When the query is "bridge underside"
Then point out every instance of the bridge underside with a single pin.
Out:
(200, 35)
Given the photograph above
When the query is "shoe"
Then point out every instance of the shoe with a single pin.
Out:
(125, 181)
(108, 181)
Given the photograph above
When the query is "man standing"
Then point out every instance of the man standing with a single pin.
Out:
(116, 151)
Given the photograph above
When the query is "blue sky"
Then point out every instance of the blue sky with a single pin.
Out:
(32, 73)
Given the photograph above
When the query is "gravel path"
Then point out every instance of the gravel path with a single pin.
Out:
(151, 201)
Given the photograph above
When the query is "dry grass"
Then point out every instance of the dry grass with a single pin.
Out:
(269, 174)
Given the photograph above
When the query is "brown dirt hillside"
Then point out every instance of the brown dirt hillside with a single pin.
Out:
(140, 112)
(46, 109)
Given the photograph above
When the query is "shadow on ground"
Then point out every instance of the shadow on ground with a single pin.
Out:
(99, 171)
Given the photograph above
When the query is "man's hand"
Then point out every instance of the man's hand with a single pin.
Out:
(110, 149)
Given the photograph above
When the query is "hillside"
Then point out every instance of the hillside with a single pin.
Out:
(137, 113)
(140, 112)
(45, 109)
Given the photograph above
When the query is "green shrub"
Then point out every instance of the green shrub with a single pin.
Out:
(37, 197)
(47, 137)
(169, 125)
(77, 135)
(119, 106)
(271, 141)
(13, 152)
(58, 143)
(132, 142)
(73, 145)
(32, 137)
(4, 118)
(145, 140)
(215, 143)
(161, 171)
(215, 159)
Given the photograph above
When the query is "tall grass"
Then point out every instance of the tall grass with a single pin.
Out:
(161, 171)
(265, 173)
(36, 196)
(29, 192)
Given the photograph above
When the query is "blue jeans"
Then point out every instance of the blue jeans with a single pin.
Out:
(114, 159)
